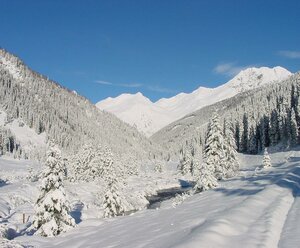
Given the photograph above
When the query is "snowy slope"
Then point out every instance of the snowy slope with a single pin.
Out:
(62, 115)
(13, 69)
(33, 144)
(258, 208)
(137, 110)
(150, 117)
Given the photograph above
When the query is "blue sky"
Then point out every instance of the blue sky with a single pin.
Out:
(158, 47)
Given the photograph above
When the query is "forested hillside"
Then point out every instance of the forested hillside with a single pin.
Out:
(260, 118)
(67, 118)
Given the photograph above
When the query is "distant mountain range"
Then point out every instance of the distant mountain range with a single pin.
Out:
(137, 110)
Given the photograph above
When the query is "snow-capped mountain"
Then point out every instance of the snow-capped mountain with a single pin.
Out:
(137, 110)
(149, 117)
(254, 115)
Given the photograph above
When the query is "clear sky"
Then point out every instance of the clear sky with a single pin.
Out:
(158, 47)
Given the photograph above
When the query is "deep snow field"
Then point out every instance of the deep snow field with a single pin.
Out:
(258, 208)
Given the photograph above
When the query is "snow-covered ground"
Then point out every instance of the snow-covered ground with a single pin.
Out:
(258, 208)
(32, 143)
(149, 117)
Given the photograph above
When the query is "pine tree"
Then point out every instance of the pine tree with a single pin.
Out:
(274, 128)
(245, 135)
(214, 148)
(237, 136)
(205, 179)
(185, 164)
(114, 204)
(52, 207)
(252, 145)
(231, 159)
(80, 164)
(91, 163)
(292, 128)
(266, 159)
(102, 164)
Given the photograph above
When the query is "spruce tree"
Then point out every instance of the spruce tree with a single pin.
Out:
(185, 164)
(205, 178)
(52, 207)
(214, 148)
(245, 135)
(252, 145)
(231, 159)
(274, 128)
(114, 204)
(266, 159)
(293, 129)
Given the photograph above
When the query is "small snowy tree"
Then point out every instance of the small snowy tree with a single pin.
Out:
(185, 165)
(114, 204)
(101, 164)
(159, 165)
(180, 198)
(214, 148)
(52, 207)
(205, 179)
(266, 159)
(32, 175)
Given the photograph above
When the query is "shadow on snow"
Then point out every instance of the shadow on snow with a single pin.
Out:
(289, 179)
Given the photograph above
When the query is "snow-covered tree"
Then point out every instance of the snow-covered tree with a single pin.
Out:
(52, 207)
(274, 128)
(205, 179)
(180, 198)
(185, 164)
(91, 163)
(266, 159)
(214, 148)
(292, 128)
(245, 135)
(102, 164)
(231, 158)
(32, 175)
(114, 203)
(159, 166)
(252, 145)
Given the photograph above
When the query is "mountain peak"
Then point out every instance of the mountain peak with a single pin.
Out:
(149, 117)
(254, 77)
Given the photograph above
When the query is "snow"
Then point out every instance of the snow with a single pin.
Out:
(29, 140)
(137, 110)
(149, 117)
(12, 68)
(258, 208)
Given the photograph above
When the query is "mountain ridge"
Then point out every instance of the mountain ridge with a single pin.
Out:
(149, 117)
